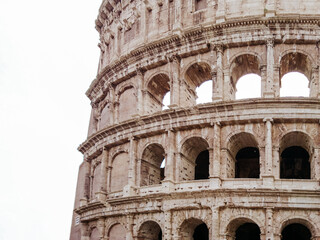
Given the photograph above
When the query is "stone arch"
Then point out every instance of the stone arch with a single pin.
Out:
(96, 178)
(119, 171)
(242, 64)
(243, 156)
(94, 233)
(294, 163)
(196, 73)
(116, 231)
(191, 149)
(295, 60)
(298, 220)
(188, 229)
(106, 114)
(127, 101)
(235, 223)
(157, 86)
(150, 230)
(151, 159)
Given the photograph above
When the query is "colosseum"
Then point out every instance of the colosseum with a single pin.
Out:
(243, 169)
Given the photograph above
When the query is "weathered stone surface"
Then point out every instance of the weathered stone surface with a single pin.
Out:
(231, 166)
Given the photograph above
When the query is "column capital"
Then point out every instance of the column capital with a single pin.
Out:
(268, 119)
(219, 48)
(270, 42)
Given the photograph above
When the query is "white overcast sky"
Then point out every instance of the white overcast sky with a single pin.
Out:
(48, 58)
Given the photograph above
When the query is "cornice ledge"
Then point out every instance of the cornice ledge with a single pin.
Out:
(89, 207)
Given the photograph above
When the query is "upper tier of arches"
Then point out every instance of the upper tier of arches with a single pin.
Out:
(180, 79)
(125, 25)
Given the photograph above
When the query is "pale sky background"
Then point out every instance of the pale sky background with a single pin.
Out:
(48, 58)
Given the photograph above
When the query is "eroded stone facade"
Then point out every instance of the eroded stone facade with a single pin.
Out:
(231, 166)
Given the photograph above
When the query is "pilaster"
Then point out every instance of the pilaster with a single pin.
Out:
(140, 80)
(217, 77)
(174, 67)
(216, 164)
(268, 176)
(269, 224)
(167, 225)
(269, 84)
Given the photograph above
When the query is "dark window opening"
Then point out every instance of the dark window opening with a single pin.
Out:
(160, 235)
(202, 166)
(162, 167)
(247, 163)
(296, 231)
(248, 231)
(295, 163)
(201, 232)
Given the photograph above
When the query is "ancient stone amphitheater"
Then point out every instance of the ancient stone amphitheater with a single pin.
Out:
(227, 169)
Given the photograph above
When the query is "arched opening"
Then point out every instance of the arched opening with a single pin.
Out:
(95, 180)
(119, 172)
(202, 166)
(204, 92)
(295, 163)
(162, 167)
(246, 69)
(127, 103)
(194, 229)
(166, 101)
(247, 163)
(296, 231)
(117, 232)
(201, 232)
(243, 157)
(243, 229)
(248, 86)
(294, 63)
(94, 235)
(152, 165)
(194, 159)
(294, 84)
(248, 231)
(150, 230)
(196, 75)
(158, 91)
(295, 154)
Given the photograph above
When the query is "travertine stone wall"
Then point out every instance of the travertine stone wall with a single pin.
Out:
(151, 48)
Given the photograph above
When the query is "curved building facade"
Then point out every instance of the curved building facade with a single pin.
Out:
(222, 170)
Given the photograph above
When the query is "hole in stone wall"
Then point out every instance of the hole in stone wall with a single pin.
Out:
(201, 232)
(194, 229)
(247, 164)
(295, 163)
(296, 231)
(248, 86)
(158, 91)
(150, 230)
(202, 166)
(152, 165)
(162, 167)
(204, 92)
(248, 231)
(194, 157)
(166, 101)
(294, 84)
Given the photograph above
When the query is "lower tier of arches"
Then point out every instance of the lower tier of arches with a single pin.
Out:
(204, 223)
